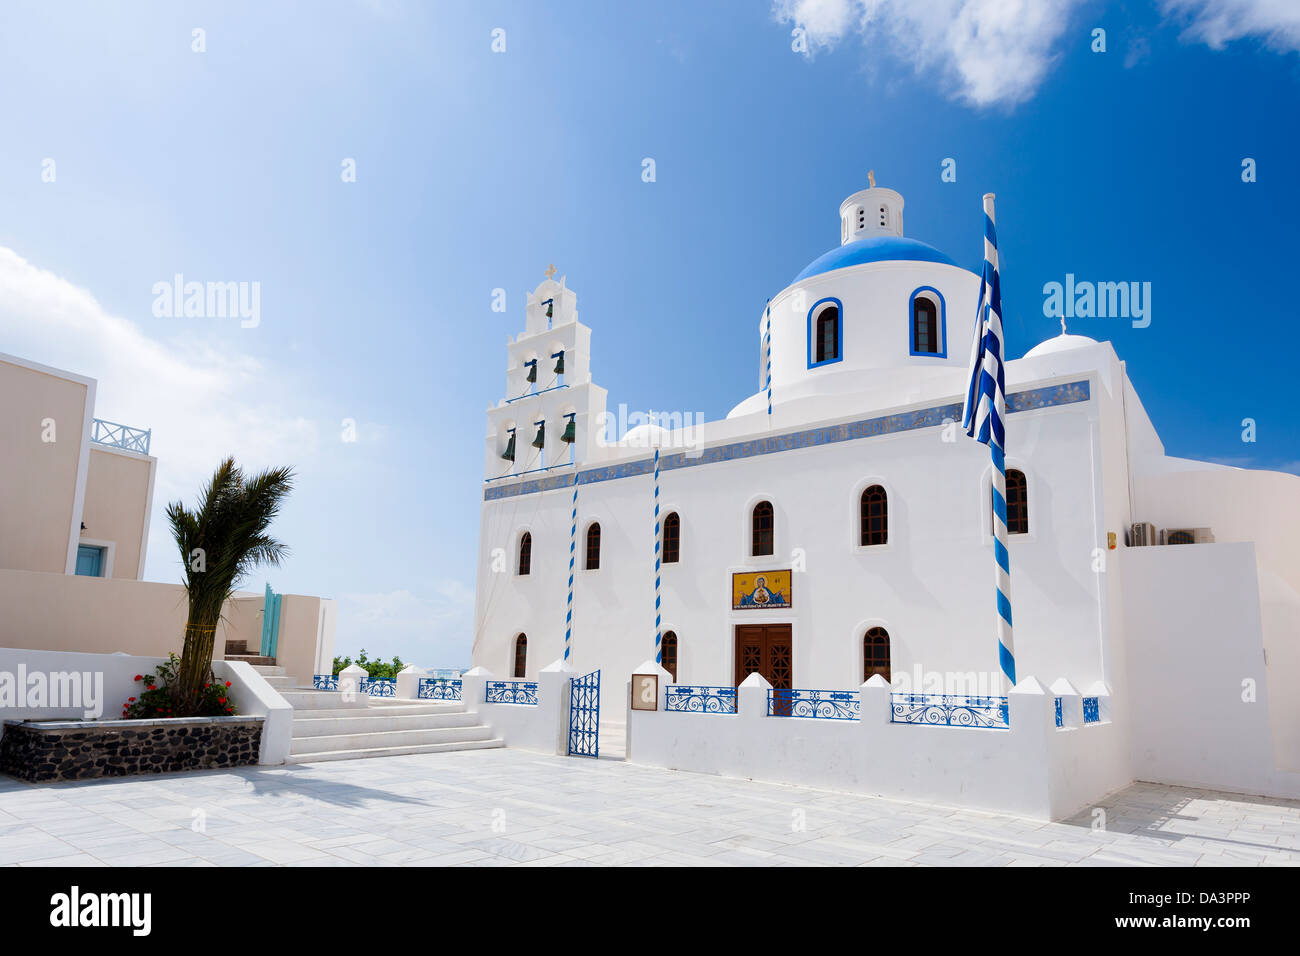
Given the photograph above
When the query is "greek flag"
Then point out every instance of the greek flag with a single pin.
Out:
(983, 417)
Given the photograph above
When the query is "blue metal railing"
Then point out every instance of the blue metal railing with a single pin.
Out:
(104, 432)
(820, 704)
(1060, 717)
(687, 699)
(438, 688)
(325, 682)
(510, 692)
(1091, 710)
(379, 686)
(952, 710)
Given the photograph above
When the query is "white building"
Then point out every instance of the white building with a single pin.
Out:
(854, 489)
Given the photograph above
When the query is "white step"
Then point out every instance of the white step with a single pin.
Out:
(304, 698)
(269, 670)
(280, 682)
(327, 722)
(491, 743)
(388, 738)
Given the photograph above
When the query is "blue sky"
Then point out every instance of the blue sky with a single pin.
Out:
(476, 169)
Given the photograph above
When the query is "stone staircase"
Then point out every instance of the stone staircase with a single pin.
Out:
(326, 727)
(238, 651)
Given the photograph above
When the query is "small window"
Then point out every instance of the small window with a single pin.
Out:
(825, 332)
(593, 546)
(875, 654)
(874, 521)
(672, 538)
(521, 657)
(1017, 502)
(862, 217)
(884, 215)
(828, 334)
(526, 554)
(668, 653)
(925, 326)
(761, 538)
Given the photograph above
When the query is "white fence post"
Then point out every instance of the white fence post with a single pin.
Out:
(350, 679)
(471, 688)
(408, 681)
(877, 707)
(553, 702)
(751, 697)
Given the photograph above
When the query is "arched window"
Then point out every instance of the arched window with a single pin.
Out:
(828, 334)
(761, 541)
(875, 653)
(925, 326)
(521, 657)
(593, 546)
(1017, 502)
(874, 525)
(526, 553)
(668, 653)
(672, 552)
(825, 331)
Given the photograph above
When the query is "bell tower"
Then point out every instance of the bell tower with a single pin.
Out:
(551, 415)
(875, 211)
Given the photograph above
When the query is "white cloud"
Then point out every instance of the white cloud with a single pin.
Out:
(987, 52)
(202, 400)
(1219, 22)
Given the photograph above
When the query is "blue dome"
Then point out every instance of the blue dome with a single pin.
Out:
(873, 249)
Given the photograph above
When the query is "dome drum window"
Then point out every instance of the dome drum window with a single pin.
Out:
(825, 332)
(928, 323)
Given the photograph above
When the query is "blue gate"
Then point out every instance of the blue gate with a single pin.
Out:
(584, 716)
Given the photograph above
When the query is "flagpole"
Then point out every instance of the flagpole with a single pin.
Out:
(767, 354)
(659, 654)
(984, 417)
(573, 542)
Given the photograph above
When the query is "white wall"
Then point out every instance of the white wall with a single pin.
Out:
(1195, 635)
(115, 674)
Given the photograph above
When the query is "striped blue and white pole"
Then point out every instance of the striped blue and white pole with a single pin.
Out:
(767, 355)
(984, 417)
(659, 652)
(573, 544)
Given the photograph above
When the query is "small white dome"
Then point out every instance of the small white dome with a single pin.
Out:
(1061, 343)
(646, 436)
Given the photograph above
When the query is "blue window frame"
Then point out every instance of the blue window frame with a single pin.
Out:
(825, 332)
(90, 561)
(928, 327)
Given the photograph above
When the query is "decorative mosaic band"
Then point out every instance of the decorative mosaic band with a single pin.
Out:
(1069, 393)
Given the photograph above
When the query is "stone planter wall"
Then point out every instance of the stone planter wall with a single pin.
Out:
(85, 749)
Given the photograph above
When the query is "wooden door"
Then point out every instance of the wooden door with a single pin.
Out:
(767, 649)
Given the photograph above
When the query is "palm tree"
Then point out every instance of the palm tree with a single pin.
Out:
(220, 542)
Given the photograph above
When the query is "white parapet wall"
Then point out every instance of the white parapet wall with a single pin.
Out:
(1032, 768)
(541, 727)
(84, 686)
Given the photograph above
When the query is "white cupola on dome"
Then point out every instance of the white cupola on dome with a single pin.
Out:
(874, 211)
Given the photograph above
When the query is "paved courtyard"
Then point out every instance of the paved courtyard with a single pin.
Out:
(507, 807)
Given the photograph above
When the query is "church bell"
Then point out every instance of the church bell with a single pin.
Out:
(540, 440)
(570, 433)
(559, 364)
(509, 453)
(550, 307)
(532, 372)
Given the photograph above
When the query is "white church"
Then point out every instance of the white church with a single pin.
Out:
(835, 530)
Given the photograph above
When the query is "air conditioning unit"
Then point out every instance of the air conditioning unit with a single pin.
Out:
(1186, 536)
(1141, 534)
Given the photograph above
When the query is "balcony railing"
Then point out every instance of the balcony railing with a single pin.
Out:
(821, 704)
(378, 686)
(120, 436)
(325, 681)
(510, 692)
(952, 710)
(438, 688)
(1091, 710)
(686, 699)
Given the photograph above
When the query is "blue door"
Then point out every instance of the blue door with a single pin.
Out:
(90, 561)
